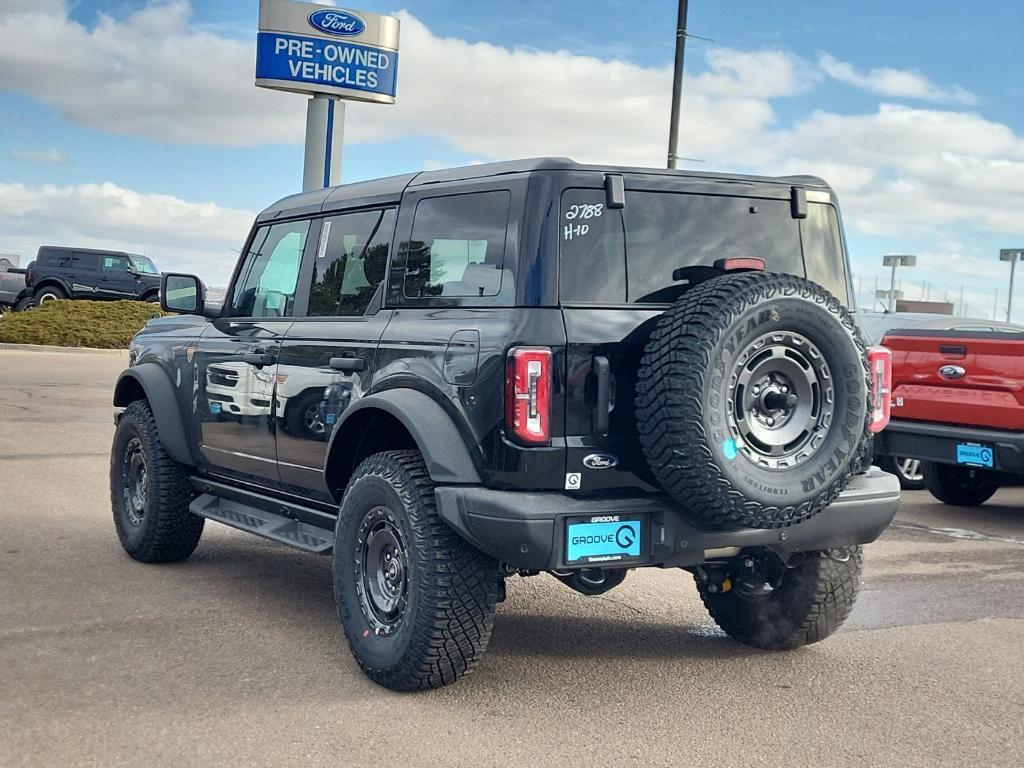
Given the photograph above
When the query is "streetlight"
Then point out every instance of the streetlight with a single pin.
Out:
(896, 260)
(1012, 255)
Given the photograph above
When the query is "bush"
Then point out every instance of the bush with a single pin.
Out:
(97, 324)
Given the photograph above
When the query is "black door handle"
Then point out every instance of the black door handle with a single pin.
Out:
(602, 371)
(348, 363)
(259, 359)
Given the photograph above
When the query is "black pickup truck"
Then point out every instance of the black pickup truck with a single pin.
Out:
(450, 378)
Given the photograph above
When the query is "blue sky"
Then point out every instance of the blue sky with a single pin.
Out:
(913, 110)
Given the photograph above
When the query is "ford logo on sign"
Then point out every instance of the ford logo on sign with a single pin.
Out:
(600, 461)
(340, 23)
(952, 372)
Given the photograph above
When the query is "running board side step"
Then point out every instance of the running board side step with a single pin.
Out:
(269, 525)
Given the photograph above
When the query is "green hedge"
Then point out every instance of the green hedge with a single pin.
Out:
(97, 324)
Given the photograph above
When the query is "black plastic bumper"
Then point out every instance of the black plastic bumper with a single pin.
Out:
(937, 442)
(527, 529)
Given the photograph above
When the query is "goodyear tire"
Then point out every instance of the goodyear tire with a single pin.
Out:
(415, 600)
(752, 400)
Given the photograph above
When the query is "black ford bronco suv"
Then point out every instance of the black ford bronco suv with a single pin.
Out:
(449, 378)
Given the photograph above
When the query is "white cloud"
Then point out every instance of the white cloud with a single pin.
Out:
(50, 156)
(178, 234)
(894, 83)
(900, 170)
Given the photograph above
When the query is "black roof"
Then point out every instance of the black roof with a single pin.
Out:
(390, 188)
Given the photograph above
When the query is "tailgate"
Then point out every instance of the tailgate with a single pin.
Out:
(974, 378)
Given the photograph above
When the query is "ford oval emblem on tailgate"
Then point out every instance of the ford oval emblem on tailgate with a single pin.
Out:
(600, 461)
(342, 23)
(952, 372)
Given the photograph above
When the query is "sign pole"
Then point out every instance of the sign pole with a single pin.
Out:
(325, 134)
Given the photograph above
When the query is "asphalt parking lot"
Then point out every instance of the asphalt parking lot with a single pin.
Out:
(235, 657)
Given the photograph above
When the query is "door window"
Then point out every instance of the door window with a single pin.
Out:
(351, 261)
(267, 280)
(458, 245)
(116, 264)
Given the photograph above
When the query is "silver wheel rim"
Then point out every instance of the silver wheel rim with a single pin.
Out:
(910, 469)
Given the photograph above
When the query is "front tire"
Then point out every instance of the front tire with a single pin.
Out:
(959, 486)
(415, 600)
(806, 604)
(150, 492)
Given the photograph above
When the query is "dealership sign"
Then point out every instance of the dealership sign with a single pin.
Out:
(321, 49)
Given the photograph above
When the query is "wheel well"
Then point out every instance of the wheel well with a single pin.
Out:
(128, 390)
(50, 284)
(371, 431)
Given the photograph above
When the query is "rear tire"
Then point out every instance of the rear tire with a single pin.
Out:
(415, 600)
(811, 602)
(959, 486)
(24, 304)
(909, 471)
(49, 293)
(150, 492)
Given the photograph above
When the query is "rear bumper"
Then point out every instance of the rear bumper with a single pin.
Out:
(937, 442)
(528, 529)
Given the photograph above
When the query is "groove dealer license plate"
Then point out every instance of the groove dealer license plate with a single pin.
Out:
(974, 454)
(603, 539)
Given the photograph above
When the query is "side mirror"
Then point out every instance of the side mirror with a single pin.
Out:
(183, 294)
(132, 271)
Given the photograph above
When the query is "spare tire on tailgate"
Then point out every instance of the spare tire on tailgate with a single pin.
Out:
(752, 400)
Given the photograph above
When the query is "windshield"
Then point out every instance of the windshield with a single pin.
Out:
(661, 242)
(144, 264)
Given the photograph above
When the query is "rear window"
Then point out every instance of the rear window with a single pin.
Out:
(662, 241)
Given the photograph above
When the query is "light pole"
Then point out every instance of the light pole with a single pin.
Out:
(1012, 255)
(896, 260)
(677, 86)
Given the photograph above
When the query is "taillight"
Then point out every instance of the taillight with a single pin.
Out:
(528, 394)
(880, 368)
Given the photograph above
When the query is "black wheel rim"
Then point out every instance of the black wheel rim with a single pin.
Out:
(781, 400)
(135, 481)
(382, 571)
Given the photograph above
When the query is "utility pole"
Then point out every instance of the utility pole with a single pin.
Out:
(962, 313)
(677, 86)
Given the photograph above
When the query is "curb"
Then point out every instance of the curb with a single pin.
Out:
(65, 350)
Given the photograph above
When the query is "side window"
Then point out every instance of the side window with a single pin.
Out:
(82, 261)
(592, 249)
(118, 264)
(458, 245)
(266, 282)
(351, 260)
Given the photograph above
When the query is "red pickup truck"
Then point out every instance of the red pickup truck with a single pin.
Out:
(958, 406)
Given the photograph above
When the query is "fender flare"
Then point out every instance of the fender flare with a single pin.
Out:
(57, 282)
(157, 388)
(438, 439)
